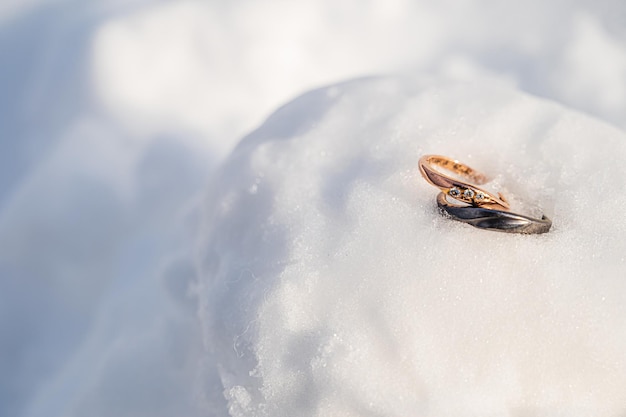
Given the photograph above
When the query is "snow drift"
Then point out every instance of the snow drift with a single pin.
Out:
(331, 285)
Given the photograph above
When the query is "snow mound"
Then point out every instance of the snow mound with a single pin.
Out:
(331, 286)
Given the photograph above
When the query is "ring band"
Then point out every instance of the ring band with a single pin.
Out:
(456, 189)
(489, 219)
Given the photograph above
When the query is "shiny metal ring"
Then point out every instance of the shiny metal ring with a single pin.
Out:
(460, 190)
(489, 219)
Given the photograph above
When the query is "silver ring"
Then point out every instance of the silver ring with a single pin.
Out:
(489, 219)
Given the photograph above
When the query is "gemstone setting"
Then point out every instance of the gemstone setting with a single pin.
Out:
(469, 193)
(454, 192)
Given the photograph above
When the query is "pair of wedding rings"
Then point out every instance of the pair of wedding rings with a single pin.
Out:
(482, 209)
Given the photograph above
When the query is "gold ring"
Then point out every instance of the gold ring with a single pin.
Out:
(456, 189)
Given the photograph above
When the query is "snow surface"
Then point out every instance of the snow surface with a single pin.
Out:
(115, 114)
(331, 285)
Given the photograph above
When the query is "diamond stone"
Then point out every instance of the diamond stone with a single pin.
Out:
(468, 193)
(480, 196)
(455, 192)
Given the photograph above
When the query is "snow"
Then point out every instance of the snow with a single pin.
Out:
(331, 285)
(221, 68)
(149, 265)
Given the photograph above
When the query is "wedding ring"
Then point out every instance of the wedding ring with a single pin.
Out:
(456, 189)
(489, 219)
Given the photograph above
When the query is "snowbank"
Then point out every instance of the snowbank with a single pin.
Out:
(332, 286)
